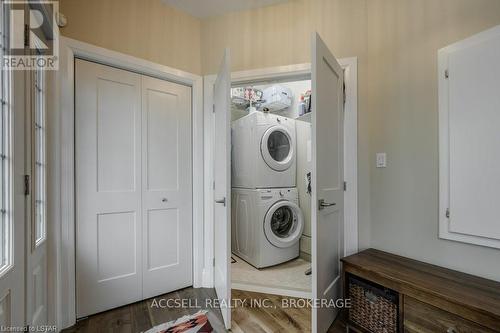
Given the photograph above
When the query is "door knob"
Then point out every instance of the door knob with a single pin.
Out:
(221, 201)
(164, 200)
(322, 204)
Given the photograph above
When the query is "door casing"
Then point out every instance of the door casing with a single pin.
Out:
(61, 181)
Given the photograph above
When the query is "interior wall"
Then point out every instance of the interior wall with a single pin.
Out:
(148, 29)
(404, 37)
(396, 42)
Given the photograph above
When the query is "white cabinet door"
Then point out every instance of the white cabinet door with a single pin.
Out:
(469, 154)
(222, 192)
(167, 186)
(108, 187)
(327, 182)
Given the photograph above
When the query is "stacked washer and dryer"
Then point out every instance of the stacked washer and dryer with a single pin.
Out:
(267, 222)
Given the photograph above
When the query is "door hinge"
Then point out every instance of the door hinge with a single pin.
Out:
(345, 186)
(447, 213)
(26, 35)
(213, 261)
(27, 184)
(446, 74)
(213, 185)
(344, 93)
(213, 108)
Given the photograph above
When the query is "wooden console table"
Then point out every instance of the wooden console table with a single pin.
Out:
(432, 299)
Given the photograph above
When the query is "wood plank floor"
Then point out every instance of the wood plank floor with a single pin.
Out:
(247, 317)
(270, 317)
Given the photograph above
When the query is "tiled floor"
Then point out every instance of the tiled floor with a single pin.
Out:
(289, 275)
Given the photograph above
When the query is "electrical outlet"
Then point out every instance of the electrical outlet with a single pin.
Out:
(381, 160)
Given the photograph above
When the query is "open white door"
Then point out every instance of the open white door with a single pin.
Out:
(327, 183)
(222, 191)
(12, 197)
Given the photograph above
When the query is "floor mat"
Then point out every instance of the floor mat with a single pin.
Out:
(197, 323)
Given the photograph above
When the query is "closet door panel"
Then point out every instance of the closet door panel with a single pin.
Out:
(108, 187)
(162, 135)
(167, 186)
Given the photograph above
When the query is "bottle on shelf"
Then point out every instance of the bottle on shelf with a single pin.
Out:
(302, 106)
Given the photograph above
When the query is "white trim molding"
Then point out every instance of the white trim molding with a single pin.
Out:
(271, 290)
(350, 66)
(62, 184)
(291, 72)
(208, 130)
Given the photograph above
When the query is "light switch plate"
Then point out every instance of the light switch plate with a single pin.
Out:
(381, 160)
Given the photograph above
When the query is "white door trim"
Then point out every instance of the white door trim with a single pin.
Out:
(299, 71)
(61, 157)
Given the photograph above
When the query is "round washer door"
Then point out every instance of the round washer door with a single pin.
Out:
(276, 147)
(283, 224)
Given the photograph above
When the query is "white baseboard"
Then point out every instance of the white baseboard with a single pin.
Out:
(207, 279)
(271, 290)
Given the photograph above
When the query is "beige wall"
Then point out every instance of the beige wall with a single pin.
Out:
(396, 42)
(146, 29)
(403, 39)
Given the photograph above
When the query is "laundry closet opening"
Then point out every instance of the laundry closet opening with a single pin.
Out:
(281, 178)
(271, 158)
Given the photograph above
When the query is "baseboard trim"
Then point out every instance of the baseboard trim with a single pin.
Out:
(271, 290)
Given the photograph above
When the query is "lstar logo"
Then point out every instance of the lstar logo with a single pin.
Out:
(33, 35)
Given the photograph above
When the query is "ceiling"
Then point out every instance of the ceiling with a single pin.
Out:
(207, 8)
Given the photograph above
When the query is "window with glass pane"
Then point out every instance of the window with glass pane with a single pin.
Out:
(5, 79)
(39, 156)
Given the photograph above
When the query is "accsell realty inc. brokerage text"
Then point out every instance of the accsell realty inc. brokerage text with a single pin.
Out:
(266, 303)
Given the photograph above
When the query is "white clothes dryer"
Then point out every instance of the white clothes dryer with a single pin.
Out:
(263, 151)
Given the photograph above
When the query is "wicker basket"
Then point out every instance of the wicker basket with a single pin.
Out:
(373, 307)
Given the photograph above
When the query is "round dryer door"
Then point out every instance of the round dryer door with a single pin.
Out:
(283, 224)
(276, 147)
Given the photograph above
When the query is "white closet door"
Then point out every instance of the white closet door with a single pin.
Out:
(167, 186)
(222, 191)
(108, 187)
(327, 182)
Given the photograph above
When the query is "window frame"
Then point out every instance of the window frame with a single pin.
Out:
(38, 84)
(6, 153)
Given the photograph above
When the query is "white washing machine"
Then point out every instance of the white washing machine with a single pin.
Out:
(263, 151)
(266, 225)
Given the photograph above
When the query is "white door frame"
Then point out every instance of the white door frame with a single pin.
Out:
(61, 157)
(299, 71)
